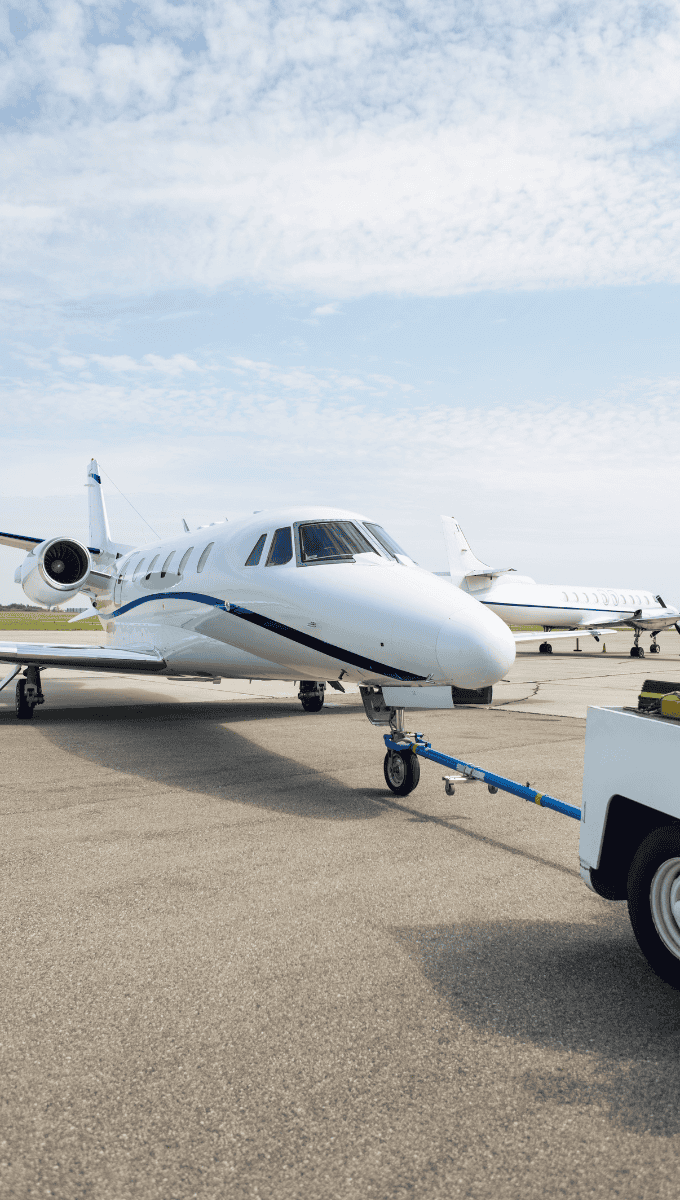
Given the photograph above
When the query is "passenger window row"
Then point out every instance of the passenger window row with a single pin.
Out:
(139, 568)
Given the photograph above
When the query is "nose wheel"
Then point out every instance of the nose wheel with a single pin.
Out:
(402, 771)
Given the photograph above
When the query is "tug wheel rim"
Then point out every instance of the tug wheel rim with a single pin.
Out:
(664, 899)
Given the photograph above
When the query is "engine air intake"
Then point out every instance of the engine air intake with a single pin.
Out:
(65, 563)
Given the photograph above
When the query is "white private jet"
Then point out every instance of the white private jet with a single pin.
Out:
(562, 609)
(308, 594)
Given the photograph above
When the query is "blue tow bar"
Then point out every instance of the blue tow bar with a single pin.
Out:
(424, 750)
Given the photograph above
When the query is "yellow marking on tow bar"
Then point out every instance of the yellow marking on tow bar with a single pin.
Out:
(538, 799)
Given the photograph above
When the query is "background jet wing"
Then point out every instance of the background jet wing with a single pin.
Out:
(20, 541)
(83, 658)
(592, 630)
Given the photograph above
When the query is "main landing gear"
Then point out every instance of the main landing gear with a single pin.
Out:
(655, 648)
(311, 695)
(545, 648)
(637, 651)
(29, 693)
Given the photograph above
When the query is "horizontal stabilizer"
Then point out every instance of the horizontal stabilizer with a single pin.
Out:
(83, 658)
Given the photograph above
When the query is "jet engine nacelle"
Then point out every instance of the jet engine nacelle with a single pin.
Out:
(55, 571)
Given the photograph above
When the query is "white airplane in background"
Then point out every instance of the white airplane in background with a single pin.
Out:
(308, 594)
(562, 609)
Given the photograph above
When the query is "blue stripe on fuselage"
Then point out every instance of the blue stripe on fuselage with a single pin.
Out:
(293, 635)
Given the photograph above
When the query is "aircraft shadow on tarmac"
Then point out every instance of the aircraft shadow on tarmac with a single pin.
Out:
(194, 747)
(570, 987)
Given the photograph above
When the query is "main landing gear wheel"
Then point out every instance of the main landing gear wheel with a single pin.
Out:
(545, 648)
(24, 709)
(655, 648)
(402, 771)
(311, 695)
(637, 652)
(654, 901)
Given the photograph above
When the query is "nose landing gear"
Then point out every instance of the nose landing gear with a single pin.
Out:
(29, 693)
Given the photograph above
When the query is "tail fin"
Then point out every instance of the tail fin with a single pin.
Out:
(462, 561)
(99, 534)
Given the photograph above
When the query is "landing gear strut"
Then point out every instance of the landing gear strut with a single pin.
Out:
(545, 648)
(311, 695)
(401, 767)
(29, 693)
(637, 651)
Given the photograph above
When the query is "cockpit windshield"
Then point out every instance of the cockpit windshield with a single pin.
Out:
(332, 539)
(388, 543)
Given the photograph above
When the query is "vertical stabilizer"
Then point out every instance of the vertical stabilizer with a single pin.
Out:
(99, 534)
(462, 561)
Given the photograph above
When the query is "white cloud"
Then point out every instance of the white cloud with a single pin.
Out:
(427, 148)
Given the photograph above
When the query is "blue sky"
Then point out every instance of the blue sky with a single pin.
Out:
(410, 258)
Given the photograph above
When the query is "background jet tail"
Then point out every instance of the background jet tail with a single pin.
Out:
(99, 532)
(462, 561)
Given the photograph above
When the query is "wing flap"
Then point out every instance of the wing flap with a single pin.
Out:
(83, 658)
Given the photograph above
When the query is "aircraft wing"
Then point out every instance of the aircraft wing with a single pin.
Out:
(83, 658)
(20, 541)
(592, 630)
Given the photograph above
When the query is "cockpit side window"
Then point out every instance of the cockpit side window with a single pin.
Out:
(332, 539)
(388, 543)
(281, 550)
(256, 552)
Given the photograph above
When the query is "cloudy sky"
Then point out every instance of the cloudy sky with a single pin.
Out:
(410, 258)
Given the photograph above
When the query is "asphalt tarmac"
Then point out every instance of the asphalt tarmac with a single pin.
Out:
(234, 965)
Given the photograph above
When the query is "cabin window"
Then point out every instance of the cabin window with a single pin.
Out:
(281, 550)
(204, 557)
(575, 597)
(388, 543)
(604, 598)
(565, 596)
(256, 552)
(138, 569)
(584, 597)
(166, 564)
(184, 560)
(332, 539)
(615, 599)
(152, 564)
(637, 601)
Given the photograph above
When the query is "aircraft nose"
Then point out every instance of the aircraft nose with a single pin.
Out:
(475, 651)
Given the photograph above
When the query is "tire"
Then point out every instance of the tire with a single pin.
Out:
(25, 710)
(637, 652)
(654, 901)
(545, 648)
(654, 649)
(312, 703)
(402, 771)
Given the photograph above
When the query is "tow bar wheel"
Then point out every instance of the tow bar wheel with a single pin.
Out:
(402, 771)
(654, 901)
